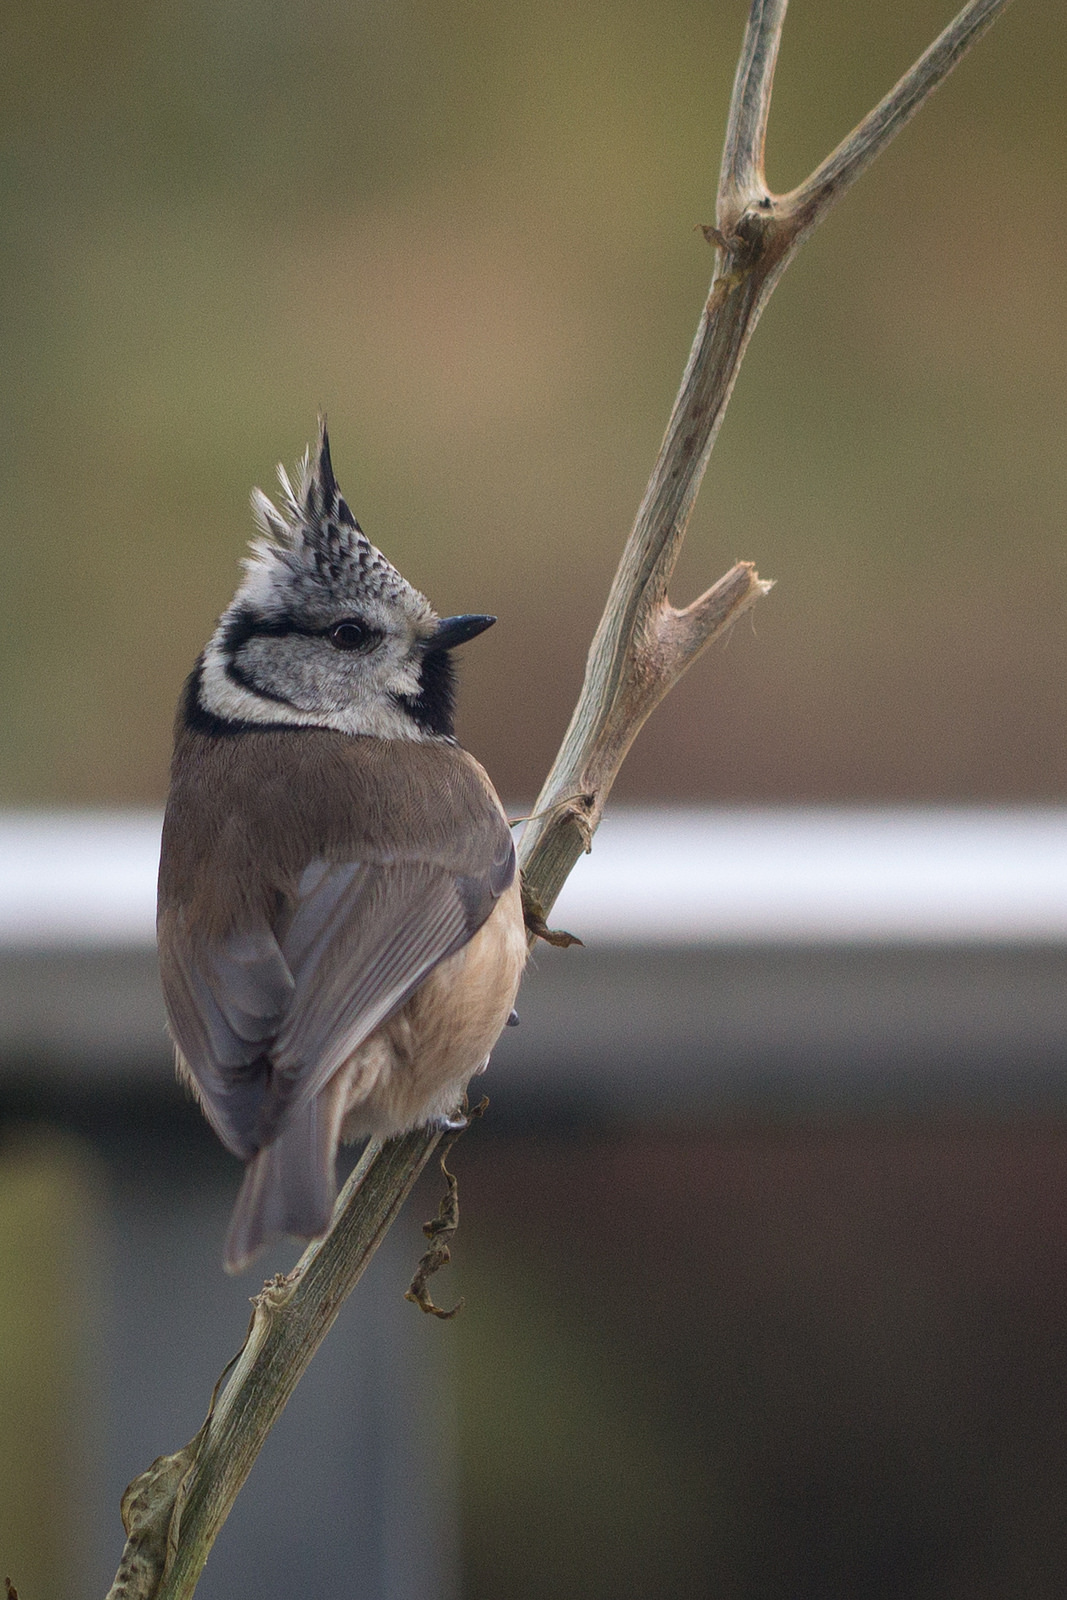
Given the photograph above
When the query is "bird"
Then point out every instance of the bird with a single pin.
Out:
(339, 915)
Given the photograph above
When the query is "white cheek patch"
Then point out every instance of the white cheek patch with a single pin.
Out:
(222, 696)
(406, 680)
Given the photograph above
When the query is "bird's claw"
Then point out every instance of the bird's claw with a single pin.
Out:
(453, 1124)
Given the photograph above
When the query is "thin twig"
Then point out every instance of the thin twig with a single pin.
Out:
(741, 179)
(641, 647)
(810, 201)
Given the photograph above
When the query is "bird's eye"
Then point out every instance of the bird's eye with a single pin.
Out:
(352, 636)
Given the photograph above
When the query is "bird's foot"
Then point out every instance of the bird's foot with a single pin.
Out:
(464, 1115)
(456, 1123)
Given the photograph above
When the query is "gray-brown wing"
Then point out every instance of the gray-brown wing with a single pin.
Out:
(267, 1016)
(357, 955)
(225, 1003)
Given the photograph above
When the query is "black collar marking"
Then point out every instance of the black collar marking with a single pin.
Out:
(195, 716)
(433, 709)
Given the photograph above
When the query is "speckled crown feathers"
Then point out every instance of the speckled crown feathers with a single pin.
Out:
(316, 539)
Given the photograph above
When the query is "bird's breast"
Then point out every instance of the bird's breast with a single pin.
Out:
(445, 1031)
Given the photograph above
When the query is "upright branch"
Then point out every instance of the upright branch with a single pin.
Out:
(741, 179)
(642, 646)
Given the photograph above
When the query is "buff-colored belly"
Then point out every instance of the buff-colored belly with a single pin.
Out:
(417, 1065)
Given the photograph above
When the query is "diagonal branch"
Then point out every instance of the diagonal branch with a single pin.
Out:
(642, 645)
(810, 201)
(756, 235)
(173, 1512)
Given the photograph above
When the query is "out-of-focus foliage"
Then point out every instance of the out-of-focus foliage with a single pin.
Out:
(46, 1202)
(468, 233)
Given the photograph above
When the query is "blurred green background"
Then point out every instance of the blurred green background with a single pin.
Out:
(468, 233)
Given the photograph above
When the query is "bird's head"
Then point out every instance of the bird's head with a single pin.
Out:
(324, 631)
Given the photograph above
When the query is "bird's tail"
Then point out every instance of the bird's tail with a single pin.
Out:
(289, 1187)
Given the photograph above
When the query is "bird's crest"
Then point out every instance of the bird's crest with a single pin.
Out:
(314, 537)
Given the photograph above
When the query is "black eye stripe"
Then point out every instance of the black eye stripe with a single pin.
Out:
(244, 625)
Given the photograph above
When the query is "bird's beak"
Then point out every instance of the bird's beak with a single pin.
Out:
(451, 631)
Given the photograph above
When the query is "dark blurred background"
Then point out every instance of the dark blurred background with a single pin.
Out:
(784, 1353)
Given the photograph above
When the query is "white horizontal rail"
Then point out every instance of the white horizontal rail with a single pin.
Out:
(655, 877)
(81, 879)
(823, 875)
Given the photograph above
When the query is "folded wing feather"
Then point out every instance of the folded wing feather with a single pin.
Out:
(264, 1019)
